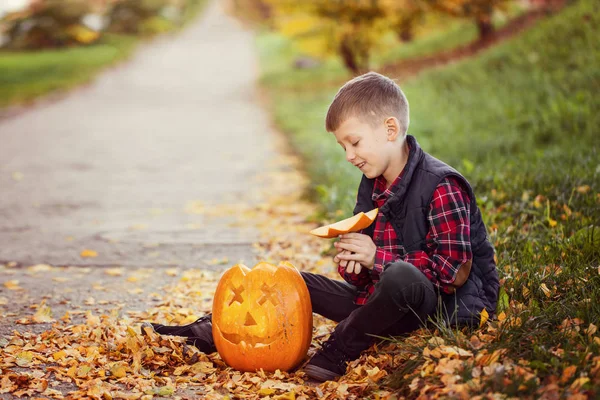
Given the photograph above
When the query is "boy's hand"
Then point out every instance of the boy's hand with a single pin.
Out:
(352, 267)
(359, 248)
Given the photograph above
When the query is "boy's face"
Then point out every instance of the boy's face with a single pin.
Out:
(369, 149)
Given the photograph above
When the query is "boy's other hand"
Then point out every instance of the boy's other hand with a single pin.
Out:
(359, 248)
(352, 267)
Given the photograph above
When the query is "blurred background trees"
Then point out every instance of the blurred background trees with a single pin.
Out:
(59, 23)
(353, 30)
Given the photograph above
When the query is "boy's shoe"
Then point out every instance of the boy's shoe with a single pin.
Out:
(328, 363)
(198, 333)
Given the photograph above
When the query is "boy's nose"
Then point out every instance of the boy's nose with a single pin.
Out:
(350, 156)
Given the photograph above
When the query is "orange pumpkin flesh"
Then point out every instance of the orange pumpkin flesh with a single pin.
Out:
(352, 224)
(262, 317)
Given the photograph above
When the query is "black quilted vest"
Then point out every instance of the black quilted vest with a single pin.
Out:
(407, 211)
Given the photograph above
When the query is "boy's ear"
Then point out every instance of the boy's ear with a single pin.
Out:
(392, 126)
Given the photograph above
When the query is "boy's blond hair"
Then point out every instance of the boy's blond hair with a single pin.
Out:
(370, 97)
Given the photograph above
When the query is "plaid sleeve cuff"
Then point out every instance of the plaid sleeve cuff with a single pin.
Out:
(382, 257)
(361, 279)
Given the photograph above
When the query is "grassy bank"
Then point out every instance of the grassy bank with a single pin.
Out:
(25, 76)
(28, 75)
(521, 123)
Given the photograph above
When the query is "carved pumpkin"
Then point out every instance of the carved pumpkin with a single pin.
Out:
(352, 224)
(262, 317)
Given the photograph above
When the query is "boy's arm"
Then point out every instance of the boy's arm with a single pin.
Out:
(447, 260)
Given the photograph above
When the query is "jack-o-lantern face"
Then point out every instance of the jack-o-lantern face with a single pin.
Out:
(262, 318)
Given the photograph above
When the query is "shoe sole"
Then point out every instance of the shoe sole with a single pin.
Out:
(320, 374)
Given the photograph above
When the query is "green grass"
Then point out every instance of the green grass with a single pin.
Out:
(25, 76)
(28, 75)
(521, 122)
(440, 33)
(455, 33)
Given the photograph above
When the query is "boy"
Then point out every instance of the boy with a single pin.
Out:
(428, 242)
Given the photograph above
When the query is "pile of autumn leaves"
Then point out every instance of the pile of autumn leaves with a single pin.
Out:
(107, 356)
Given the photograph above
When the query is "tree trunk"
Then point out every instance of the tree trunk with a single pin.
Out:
(485, 29)
(348, 56)
(405, 35)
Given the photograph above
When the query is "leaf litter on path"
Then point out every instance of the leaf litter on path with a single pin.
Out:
(104, 355)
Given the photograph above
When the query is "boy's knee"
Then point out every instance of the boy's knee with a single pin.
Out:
(406, 281)
(401, 274)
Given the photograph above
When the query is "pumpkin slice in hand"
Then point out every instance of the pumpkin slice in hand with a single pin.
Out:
(352, 224)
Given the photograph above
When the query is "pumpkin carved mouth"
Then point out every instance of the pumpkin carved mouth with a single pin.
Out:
(249, 340)
(253, 341)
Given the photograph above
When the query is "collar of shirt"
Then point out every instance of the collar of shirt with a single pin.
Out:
(380, 192)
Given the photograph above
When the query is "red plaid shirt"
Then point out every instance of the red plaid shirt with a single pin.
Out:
(448, 242)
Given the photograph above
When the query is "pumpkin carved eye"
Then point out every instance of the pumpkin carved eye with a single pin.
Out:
(237, 295)
(268, 294)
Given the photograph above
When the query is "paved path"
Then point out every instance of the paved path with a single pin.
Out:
(113, 167)
(128, 167)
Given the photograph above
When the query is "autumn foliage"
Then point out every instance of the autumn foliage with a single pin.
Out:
(59, 23)
(353, 29)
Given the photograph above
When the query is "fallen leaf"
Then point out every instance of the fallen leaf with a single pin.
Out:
(583, 189)
(13, 285)
(88, 253)
(24, 358)
(43, 314)
(545, 289)
(568, 373)
(114, 271)
(118, 370)
(579, 382)
(484, 316)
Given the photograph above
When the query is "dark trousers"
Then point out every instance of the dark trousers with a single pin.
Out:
(402, 301)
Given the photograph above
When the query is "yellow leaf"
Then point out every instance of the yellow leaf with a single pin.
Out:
(266, 391)
(484, 316)
(114, 271)
(205, 367)
(118, 370)
(545, 289)
(286, 396)
(181, 369)
(579, 382)
(12, 285)
(552, 222)
(24, 358)
(59, 355)
(172, 271)
(43, 314)
(162, 391)
(583, 189)
(88, 253)
(591, 330)
(83, 371)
